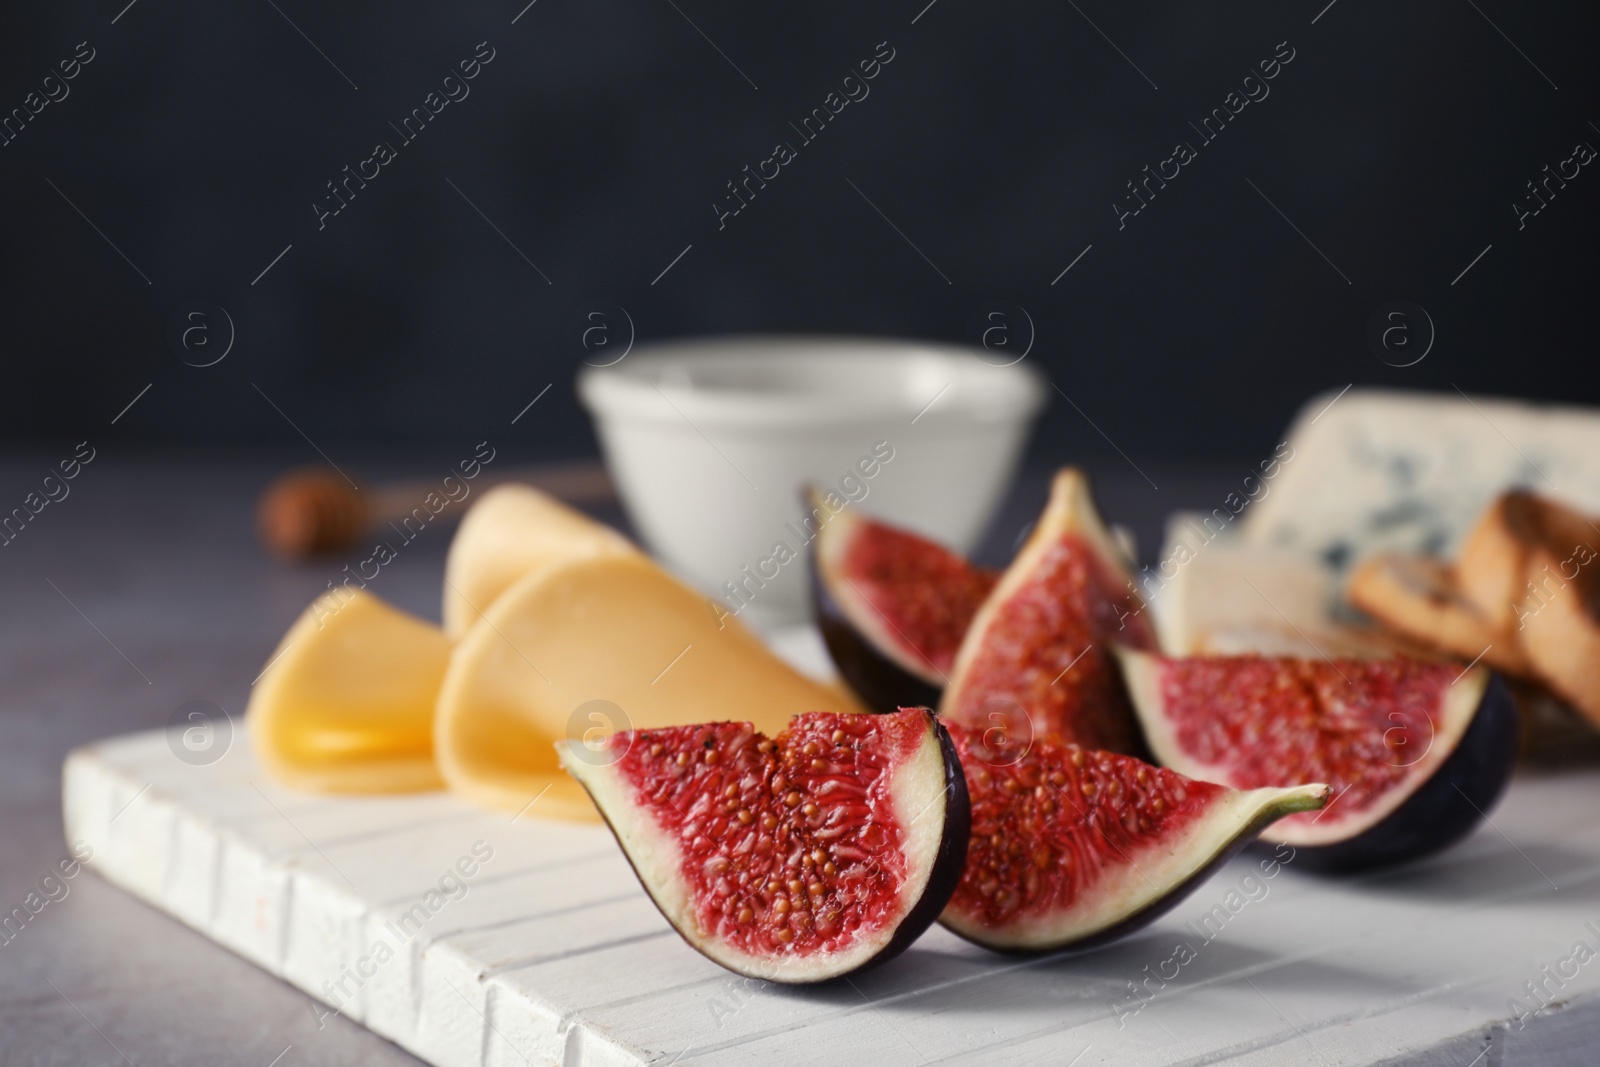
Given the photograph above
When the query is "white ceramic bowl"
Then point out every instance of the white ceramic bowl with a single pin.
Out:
(710, 442)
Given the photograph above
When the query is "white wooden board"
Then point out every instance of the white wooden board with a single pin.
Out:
(550, 953)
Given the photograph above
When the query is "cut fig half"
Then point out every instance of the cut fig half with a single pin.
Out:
(892, 607)
(1041, 647)
(1073, 848)
(1416, 752)
(798, 858)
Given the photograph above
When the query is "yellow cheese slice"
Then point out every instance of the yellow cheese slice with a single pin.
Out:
(579, 649)
(346, 703)
(511, 530)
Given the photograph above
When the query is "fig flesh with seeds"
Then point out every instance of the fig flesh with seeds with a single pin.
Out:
(1416, 752)
(1072, 848)
(797, 858)
(1039, 658)
(893, 608)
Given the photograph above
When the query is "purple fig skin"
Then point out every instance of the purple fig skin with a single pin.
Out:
(1447, 808)
(882, 684)
(949, 863)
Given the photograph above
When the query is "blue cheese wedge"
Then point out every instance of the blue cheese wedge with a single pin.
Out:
(1381, 470)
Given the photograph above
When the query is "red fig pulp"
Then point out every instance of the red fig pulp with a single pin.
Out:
(1415, 752)
(797, 858)
(1072, 847)
(893, 608)
(1039, 656)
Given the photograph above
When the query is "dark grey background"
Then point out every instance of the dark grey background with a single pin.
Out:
(601, 134)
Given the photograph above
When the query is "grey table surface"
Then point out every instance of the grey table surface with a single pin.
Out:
(144, 588)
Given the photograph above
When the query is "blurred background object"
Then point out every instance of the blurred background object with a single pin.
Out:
(996, 180)
(711, 441)
(313, 511)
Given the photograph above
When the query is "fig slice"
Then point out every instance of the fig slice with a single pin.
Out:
(1041, 647)
(1416, 752)
(1073, 848)
(892, 607)
(797, 858)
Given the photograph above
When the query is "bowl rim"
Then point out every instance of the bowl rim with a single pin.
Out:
(641, 386)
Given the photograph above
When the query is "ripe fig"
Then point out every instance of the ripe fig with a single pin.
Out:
(892, 607)
(1416, 752)
(1038, 656)
(798, 858)
(1072, 848)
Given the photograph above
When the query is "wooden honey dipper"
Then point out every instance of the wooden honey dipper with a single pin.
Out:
(315, 511)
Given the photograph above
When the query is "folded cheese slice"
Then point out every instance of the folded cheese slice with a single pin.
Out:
(511, 530)
(346, 702)
(582, 648)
